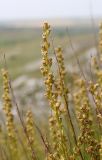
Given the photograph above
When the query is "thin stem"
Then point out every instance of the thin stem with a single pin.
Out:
(23, 125)
(66, 102)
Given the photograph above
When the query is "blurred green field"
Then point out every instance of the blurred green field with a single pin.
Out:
(22, 45)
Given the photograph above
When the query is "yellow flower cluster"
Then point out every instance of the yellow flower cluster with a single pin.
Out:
(58, 138)
(30, 127)
(59, 145)
(86, 137)
(96, 91)
(60, 60)
(60, 83)
(46, 61)
(7, 107)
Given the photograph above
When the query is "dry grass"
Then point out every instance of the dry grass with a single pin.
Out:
(75, 123)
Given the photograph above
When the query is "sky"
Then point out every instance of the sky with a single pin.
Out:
(34, 9)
